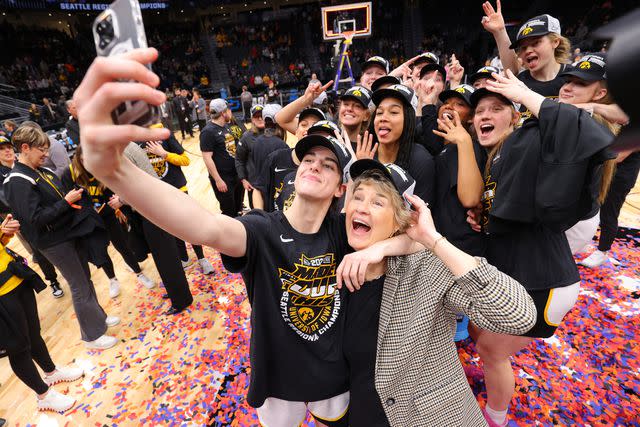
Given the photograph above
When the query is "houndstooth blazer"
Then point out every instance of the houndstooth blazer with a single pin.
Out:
(418, 374)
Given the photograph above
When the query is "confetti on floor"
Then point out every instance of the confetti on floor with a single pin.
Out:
(587, 374)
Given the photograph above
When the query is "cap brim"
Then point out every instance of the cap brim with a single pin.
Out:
(384, 80)
(308, 142)
(431, 67)
(310, 112)
(483, 93)
(581, 75)
(353, 97)
(444, 95)
(381, 94)
(514, 45)
(361, 166)
(476, 76)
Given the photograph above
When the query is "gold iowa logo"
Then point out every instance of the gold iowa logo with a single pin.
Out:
(526, 31)
(460, 90)
(585, 65)
(357, 92)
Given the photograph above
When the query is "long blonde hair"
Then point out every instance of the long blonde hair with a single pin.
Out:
(562, 53)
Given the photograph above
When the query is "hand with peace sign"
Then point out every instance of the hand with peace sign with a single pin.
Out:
(492, 21)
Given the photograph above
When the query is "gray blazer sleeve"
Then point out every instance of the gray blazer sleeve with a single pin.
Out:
(492, 300)
(58, 158)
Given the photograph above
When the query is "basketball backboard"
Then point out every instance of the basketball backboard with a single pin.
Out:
(354, 18)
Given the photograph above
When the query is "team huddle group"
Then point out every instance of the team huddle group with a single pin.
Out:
(427, 200)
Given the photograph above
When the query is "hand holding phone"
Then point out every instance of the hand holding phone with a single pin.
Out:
(117, 30)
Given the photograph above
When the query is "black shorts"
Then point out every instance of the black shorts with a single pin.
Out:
(552, 305)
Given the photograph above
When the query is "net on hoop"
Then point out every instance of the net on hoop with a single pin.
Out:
(348, 36)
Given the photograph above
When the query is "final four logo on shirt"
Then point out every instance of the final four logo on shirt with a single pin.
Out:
(310, 303)
(230, 144)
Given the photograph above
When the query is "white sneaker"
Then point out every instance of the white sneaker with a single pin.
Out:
(102, 343)
(186, 263)
(114, 288)
(596, 259)
(64, 374)
(112, 321)
(54, 401)
(206, 266)
(146, 281)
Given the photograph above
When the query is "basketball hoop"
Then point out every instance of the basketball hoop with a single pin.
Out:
(348, 36)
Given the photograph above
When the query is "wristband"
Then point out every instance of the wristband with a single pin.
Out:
(73, 205)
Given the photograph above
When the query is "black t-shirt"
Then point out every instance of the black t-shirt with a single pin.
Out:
(297, 317)
(531, 253)
(271, 180)
(550, 89)
(423, 169)
(168, 172)
(449, 216)
(265, 144)
(220, 141)
(360, 347)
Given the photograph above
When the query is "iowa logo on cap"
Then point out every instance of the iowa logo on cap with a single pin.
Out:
(527, 31)
(460, 89)
(356, 92)
(585, 65)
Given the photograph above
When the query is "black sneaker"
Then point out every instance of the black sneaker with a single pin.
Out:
(56, 290)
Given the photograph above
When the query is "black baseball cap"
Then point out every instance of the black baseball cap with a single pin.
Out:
(315, 140)
(384, 80)
(426, 57)
(378, 61)
(311, 112)
(257, 109)
(483, 72)
(398, 91)
(592, 68)
(484, 92)
(401, 180)
(359, 93)
(430, 67)
(324, 126)
(537, 26)
(463, 92)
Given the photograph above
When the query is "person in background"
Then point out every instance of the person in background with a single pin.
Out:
(182, 109)
(57, 159)
(218, 146)
(20, 328)
(58, 226)
(9, 126)
(72, 125)
(167, 158)
(245, 167)
(198, 110)
(7, 161)
(372, 69)
(246, 98)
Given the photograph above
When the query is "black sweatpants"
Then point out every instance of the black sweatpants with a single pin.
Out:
(47, 268)
(185, 125)
(118, 238)
(230, 201)
(182, 250)
(623, 181)
(167, 260)
(21, 305)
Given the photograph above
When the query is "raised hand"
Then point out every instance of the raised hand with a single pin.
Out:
(492, 21)
(314, 90)
(365, 148)
(452, 130)
(426, 91)
(456, 71)
(422, 228)
(403, 68)
(155, 147)
(107, 83)
(509, 86)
